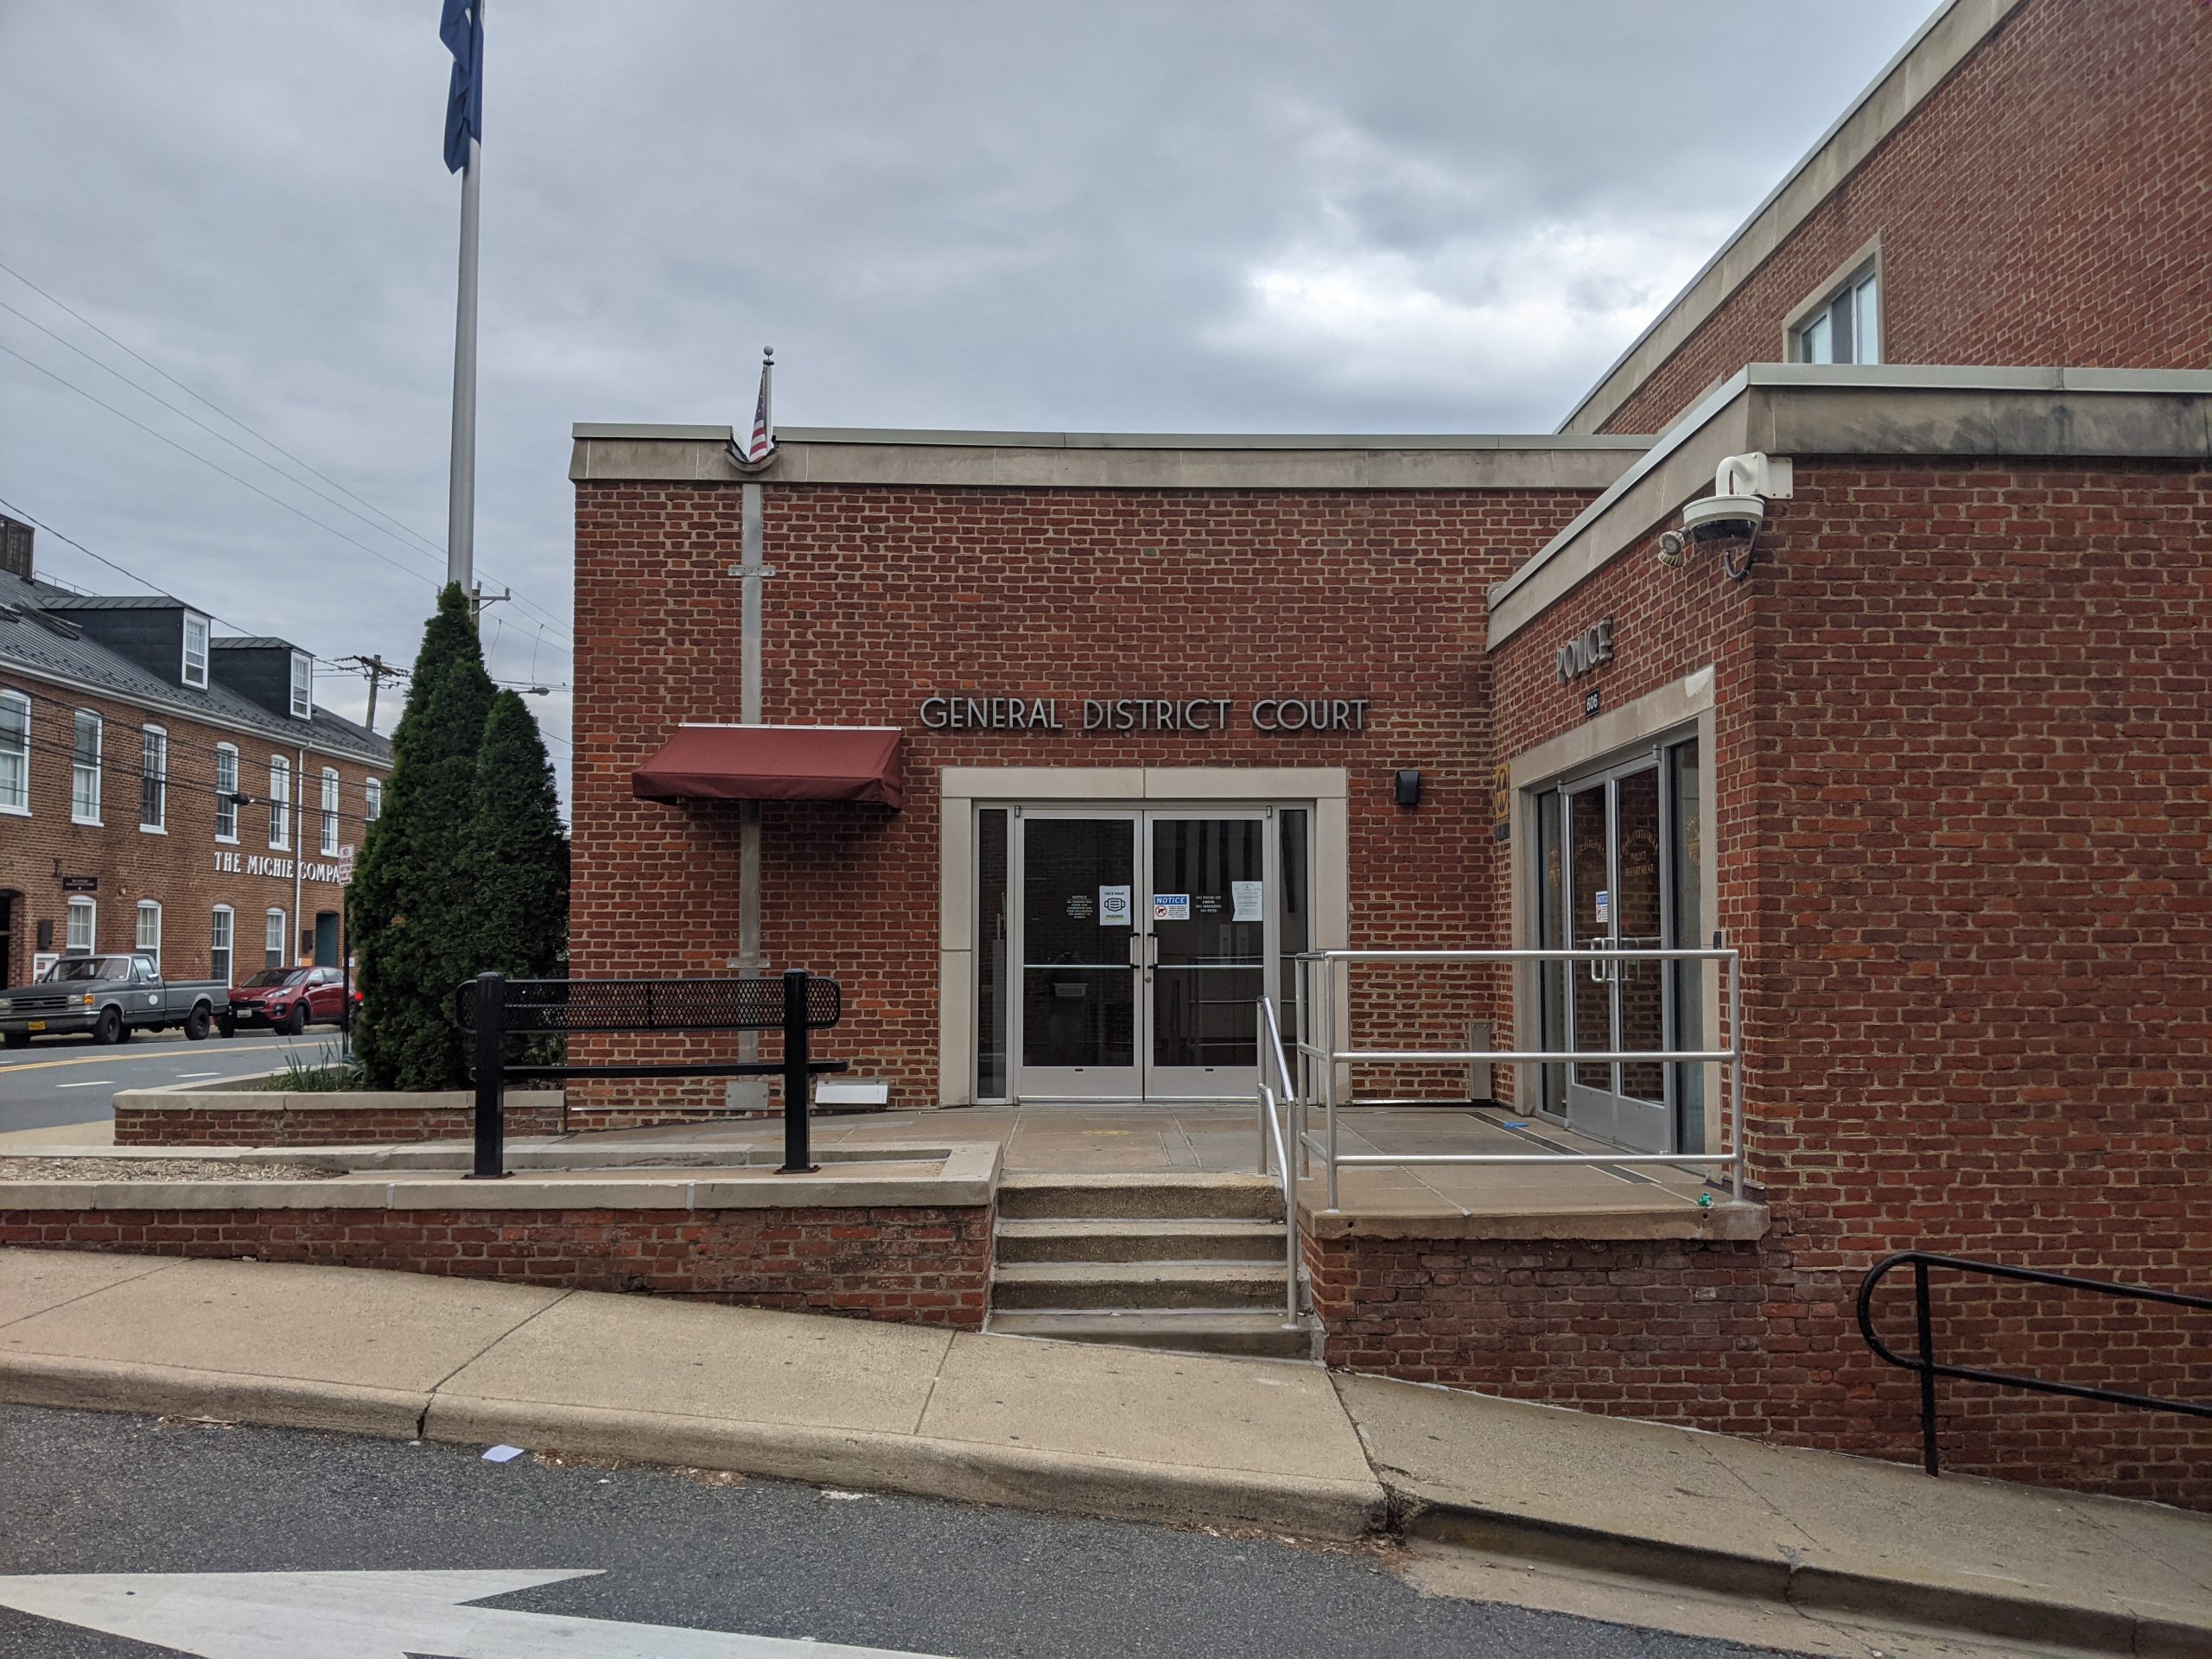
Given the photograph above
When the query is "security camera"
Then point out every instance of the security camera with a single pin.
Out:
(1724, 518)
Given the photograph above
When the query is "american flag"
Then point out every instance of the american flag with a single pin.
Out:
(764, 429)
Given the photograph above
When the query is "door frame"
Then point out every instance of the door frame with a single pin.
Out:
(1146, 1080)
(964, 792)
(1666, 715)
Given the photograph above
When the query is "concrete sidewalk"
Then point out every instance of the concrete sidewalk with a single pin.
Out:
(1116, 1431)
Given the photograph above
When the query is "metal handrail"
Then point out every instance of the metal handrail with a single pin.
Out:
(1320, 1059)
(1271, 1103)
(1929, 1367)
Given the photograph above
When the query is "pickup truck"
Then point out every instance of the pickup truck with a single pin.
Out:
(110, 997)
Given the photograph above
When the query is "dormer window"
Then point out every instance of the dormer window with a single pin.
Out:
(302, 686)
(195, 671)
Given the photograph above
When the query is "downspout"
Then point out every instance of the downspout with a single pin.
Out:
(299, 838)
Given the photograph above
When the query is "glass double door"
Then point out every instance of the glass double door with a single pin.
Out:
(1620, 855)
(1144, 940)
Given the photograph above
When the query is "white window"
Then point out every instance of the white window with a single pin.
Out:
(195, 651)
(302, 685)
(149, 931)
(154, 781)
(280, 802)
(81, 927)
(226, 793)
(373, 794)
(330, 811)
(15, 752)
(218, 945)
(84, 770)
(272, 941)
(1848, 328)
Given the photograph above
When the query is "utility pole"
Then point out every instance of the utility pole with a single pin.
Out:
(377, 672)
(465, 156)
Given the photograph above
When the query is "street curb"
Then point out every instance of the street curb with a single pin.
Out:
(176, 1391)
(2019, 1617)
(965, 1471)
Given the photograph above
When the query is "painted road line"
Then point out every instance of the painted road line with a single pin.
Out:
(346, 1615)
(95, 1082)
(139, 1059)
(187, 1077)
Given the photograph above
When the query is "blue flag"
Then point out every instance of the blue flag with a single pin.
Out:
(462, 30)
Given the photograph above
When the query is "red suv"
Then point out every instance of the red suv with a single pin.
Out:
(288, 998)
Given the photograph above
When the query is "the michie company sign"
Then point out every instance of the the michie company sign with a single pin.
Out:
(270, 864)
(1276, 715)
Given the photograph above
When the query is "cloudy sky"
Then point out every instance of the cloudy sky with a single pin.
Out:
(1403, 216)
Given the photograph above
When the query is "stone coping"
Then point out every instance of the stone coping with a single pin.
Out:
(920, 1177)
(223, 1094)
(1725, 1223)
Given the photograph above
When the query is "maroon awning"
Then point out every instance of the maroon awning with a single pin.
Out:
(774, 763)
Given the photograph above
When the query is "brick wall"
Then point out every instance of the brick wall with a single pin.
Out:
(176, 869)
(919, 1266)
(2047, 205)
(885, 596)
(1963, 777)
(299, 1122)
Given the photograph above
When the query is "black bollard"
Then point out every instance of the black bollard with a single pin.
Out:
(491, 1067)
(798, 1158)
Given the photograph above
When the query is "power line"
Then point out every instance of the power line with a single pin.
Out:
(242, 483)
(436, 548)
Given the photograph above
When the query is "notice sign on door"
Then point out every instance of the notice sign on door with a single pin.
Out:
(1171, 906)
(1246, 896)
(1605, 907)
(1114, 906)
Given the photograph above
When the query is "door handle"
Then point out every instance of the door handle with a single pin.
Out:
(1136, 948)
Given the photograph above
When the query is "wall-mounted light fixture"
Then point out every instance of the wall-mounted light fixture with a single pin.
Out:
(1408, 789)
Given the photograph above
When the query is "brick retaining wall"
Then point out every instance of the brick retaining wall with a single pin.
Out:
(924, 1265)
(1757, 1339)
(169, 1118)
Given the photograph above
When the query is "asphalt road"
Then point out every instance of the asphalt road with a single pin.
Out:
(72, 1080)
(87, 1493)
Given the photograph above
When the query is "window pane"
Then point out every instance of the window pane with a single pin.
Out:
(991, 841)
(1815, 340)
(195, 651)
(15, 751)
(280, 803)
(329, 813)
(272, 940)
(149, 931)
(1294, 920)
(1839, 316)
(375, 796)
(219, 947)
(153, 780)
(1869, 334)
(85, 769)
(1687, 934)
(81, 924)
(226, 786)
(302, 685)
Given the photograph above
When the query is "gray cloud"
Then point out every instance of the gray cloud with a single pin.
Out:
(1235, 216)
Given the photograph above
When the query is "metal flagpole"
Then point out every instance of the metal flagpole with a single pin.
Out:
(461, 28)
(461, 509)
(752, 570)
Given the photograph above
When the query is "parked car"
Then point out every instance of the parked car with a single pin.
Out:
(288, 1000)
(110, 997)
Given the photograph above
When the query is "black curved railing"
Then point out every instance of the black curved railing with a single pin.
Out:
(1929, 1367)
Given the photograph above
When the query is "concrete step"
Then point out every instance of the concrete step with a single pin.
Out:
(1192, 1331)
(1154, 1196)
(1175, 1239)
(1137, 1284)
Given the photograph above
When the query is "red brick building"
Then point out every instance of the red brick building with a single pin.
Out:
(168, 790)
(1931, 747)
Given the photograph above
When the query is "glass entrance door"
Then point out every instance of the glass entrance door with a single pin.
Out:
(1080, 952)
(1207, 954)
(1615, 898)
(1146, 940)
